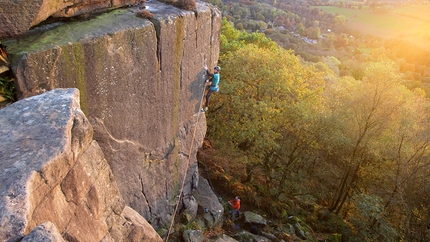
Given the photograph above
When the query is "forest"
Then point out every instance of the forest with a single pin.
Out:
(353, 37)
(317, 131)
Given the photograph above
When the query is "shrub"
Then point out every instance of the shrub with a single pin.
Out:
(7, 88)
(186, 4)
(268, 31)
(145, 13)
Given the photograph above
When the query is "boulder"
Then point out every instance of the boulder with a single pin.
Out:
(52, 170)
(36, 154)
(46, 232)
(208, 201)
(253, 218)
(193, 236)
(290, 229)
(191, 207)
(17, 18)
(225, 238)
(299, 228)
(132, 227)
(269, 236)
(246, 236)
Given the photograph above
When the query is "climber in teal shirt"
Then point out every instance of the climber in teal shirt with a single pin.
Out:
(214, 79)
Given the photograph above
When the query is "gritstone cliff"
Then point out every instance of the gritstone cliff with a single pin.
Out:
(140, 86)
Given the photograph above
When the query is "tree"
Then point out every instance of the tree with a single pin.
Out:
(239, 26)
(301, 29)
(339, 20)
(366, 111)
(279, 21)
(341, 41)
(264, 88)
(260, 17)
(360, 147)
(313, 32)
(333, 63)
(315, 23)
(404, 182)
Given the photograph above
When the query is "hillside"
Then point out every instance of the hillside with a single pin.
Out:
(330, 131)
(408, 23)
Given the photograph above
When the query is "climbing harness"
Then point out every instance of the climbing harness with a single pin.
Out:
(186, 169)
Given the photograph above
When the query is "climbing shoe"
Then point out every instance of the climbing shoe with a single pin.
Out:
(204, 109)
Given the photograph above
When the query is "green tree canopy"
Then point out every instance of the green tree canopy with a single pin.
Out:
(266, 91)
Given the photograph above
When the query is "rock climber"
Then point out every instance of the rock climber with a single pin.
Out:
(214, 80)
(235, 204)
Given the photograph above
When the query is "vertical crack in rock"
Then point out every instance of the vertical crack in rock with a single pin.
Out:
(169, 150)
(179, 25)
(213, 15)
(167, 187)
(57, 52)
(144, 196)
(81, 133)
(196, 31)
(157, 27)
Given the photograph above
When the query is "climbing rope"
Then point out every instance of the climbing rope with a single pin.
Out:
(186, 169)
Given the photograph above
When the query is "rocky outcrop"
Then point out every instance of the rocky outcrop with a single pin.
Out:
(17, 18)
(209, 202)
(247, 236)
(54, 176)
(225, 238)
(140, 85)
(193, 236)
(44, 232)
(254, 219)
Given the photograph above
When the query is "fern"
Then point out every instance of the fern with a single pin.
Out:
(7, 88)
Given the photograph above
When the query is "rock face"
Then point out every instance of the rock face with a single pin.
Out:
(193, 236)
(44, 232)
(52, 170)
(206, 198)
(18, 17)
(225, 238)
(141, 87)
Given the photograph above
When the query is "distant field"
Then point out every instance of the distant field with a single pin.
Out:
(415, 11)
(410, 23)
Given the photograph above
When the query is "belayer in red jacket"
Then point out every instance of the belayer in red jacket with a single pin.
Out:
(235, 204)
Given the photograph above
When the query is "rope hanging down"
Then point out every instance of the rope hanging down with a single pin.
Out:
(186, 169)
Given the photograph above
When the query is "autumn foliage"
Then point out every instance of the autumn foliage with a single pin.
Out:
(295, 138)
